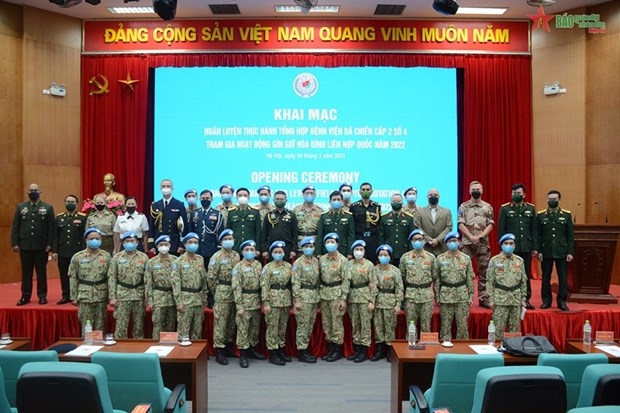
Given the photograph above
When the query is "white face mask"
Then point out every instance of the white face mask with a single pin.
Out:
(358, 254)
(346, 195)
(163, 249)
(166, 191)
(243, 200)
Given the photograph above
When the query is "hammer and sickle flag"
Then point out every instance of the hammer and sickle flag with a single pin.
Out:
(97, 87)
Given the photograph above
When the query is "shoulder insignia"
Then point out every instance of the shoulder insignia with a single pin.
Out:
(253, 207)
(81, 214)
(506, 204)
(542, 211)
(356, 203)
(347, 212)
(532, 205)
(232, 208)
(62, 213)
(566, 211)
(409, 214)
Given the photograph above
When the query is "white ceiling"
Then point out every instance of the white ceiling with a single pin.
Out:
(186, 9)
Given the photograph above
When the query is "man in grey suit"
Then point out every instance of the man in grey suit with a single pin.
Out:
(435, 221)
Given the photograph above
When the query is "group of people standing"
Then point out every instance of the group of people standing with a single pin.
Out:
(215, 255)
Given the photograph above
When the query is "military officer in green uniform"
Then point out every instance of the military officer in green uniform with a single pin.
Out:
(219, 278)
(68, 239)
(361, 300)
(244, 220)
(333, 293)
(338, 221)
(32, 235)
(389, 283)
(305, 286)
(264, 206)
(126, 287)
(308, 214)
(246, 293)
(419, 273)
(189, 287)
(158, 287)
(557, 246)
(88, 279)
(454, 288)
(394, 228)
(519, 218)
(507, 286)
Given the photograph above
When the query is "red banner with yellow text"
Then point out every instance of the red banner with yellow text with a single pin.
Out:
(306, 35)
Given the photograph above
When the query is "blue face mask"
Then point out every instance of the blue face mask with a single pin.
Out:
(384, 260)
(411, 198)
(191, 247)
(93, 243)
(508, 249)
(309, 198)
(130, 246)
(336, 204)
(331, 247)
(249, 255)
(228, 244)
(278, 257)
(453, 246)
(191, 200)
(226, 197)
(417, 245)
(264, 199)
(308, 251)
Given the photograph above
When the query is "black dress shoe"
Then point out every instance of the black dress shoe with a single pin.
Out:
(545, 306)
(23, 301)
(42, 301)
(563, 307)
(528, 305)
(63, 301)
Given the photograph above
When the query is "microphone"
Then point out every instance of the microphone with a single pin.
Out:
(602, 210)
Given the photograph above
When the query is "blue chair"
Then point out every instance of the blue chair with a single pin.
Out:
(135, 378)
(453, 382)
(5, 407)
(596, 409)
(12, 362)
(67, 387)
(572, 366)
(518, 389)
(600, 385)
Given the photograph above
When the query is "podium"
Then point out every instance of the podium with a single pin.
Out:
(590, 275)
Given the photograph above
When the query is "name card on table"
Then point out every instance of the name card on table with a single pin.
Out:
(604, 337)
(169, 337)
(97, 335)
(512, 334)
(429, 338)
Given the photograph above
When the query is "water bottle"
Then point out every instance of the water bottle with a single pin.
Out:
(491, 331)
(587, 333)
(88, 333)
(411, 334)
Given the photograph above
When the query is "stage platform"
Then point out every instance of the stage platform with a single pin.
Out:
(45, 324)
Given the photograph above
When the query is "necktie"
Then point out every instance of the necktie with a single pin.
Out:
(165, 204)
(129, 217)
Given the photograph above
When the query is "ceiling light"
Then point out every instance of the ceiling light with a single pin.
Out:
(315, 9)
(131, 10)
(496, 11)
(445, 6)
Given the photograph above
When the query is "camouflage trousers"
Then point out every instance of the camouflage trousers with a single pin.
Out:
(275, 322)
(189, 322)
(95, 312)
(247, 328)
(419, 312)
(224, 327)
(361, 321)
(164, 318)
(503, 314)
(482, 252)
(331, 319)
(385, 325)
(304, 318)
(129, 310)
(449, 312)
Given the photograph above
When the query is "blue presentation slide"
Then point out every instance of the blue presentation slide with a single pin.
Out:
(290, 127)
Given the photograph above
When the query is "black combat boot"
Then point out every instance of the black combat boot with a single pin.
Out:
(330, 350)
(356, 347)
(220, 358)
(362, 355)
(243, 359)
(337, 354)
(253, 354)
(379, 353)
(274, 358)
(306, 357)
(283, 356)
(388, 353)
(229, 350)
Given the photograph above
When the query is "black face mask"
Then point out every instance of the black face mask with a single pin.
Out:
(131, 210)
(100, 207)
(70, 207)
(476, 195)
(433, 200)
(205, 203)
(33, 196)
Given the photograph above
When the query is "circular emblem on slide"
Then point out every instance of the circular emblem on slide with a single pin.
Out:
(305, 85)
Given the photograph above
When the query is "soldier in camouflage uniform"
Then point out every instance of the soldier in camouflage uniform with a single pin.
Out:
(308, 214)
(338, 221)
(305, 286)
(475, 221)
(189, 286)
(394, 228)
(88, 280)
(454, 288)
(158, 287)
(219, 278)
(275, 286)
(346, 190)
(389, 296)
(333, 292)
(411, 196)
(244, 220)
(226, 191)
(264, 207)
(126, 287)
(419, 273)
(361, 300)
(507, 286)
(246, 292)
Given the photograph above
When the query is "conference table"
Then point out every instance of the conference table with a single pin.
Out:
(18, 343)
(577, 347)
(183, 365)
(416, 366)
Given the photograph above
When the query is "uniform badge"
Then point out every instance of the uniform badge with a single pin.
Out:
(122, 261)
(157, 267)
(186, 266)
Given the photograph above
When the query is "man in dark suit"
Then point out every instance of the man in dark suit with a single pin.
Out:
(32, 235)
(167, 217)
(435, 221)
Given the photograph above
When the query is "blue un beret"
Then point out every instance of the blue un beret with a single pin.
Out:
(309, 187)
(343, 185)
(190, 191)
(190, 236)
(162, 238)
(358, 243)
(384, 247)
(248, 243)
(276, 244)
(506, 237)
(91, 229)
(414, 233)
(307, 241)
(128, 234)
(225, 233)
(263, 188)
(450, 235)
(411, 188)
(331, 235)
(227, 186)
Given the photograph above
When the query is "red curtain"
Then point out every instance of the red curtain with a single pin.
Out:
(495, 115)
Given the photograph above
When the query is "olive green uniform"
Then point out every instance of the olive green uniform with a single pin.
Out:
(419, 273)
(246, 224)
(389, 296)
(507, 287)
(334, 288)
(219, 278)
(307, 221)
(362, 291)
(88, 279)
(246, 292)
(104, 221)
(189, 288)
(69, 239)
(158, 290)
(305, 285)
(342, 224)
(394, 229)
(275, 285)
